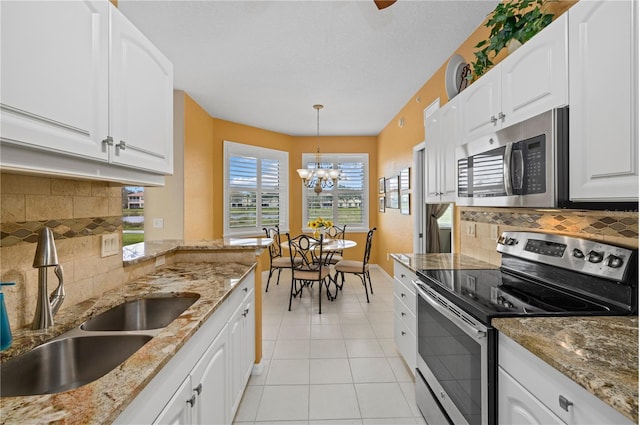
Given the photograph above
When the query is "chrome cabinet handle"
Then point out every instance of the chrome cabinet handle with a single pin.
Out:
(493, 119)
(198, 389)
(192, 400)
(108, 141)
(402, 275)
(501, 116)
(122, 145)
(402, 295)
(246, 311)
(245, 289)
(403, 333)
(564, 403)
(402, 313)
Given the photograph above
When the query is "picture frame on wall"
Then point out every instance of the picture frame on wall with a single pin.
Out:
(405, 179)
(392, 195)
(381, 187)
(405, 204)
(381, 204)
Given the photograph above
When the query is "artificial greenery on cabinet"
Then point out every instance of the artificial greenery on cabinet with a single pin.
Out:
(517, 20)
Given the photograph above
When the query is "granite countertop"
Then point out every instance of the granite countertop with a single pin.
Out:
(136, 253)
(417, 262)
(598, 353)
(101, 401)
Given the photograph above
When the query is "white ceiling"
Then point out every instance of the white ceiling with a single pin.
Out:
(266, 63)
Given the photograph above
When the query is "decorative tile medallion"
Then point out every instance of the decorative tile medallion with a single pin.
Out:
(27, 231)
(608, 223)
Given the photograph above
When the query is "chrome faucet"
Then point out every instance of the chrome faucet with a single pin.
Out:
(47, 256)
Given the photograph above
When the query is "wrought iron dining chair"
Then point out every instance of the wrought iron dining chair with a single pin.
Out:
(334, 232)
(306, 269)
(276, 260)
(359, 268)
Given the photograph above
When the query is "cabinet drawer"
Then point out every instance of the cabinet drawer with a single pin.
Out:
(240, 292)
(405, 342)
(406, 295)
(548, 385)
(404, 275)
(407, 316)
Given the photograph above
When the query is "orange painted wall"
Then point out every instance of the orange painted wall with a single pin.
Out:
(198, 172)
(395, 144)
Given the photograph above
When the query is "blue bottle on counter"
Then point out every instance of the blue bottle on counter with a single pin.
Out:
(5, 329)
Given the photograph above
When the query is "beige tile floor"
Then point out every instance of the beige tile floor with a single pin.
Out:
(338, 368)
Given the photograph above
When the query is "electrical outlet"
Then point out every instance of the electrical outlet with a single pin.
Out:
(158, 223)
(494, 232)
(471, 230)
(109, 244)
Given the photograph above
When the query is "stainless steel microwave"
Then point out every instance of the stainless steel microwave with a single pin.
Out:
(517, 166)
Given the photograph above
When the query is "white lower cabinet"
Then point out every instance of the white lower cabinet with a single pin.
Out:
(208, 382)
(178, 409)
(241, 326)
(204, 382)
(530, 391)
(404, 325)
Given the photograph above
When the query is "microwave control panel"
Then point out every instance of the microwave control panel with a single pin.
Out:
(528, 169)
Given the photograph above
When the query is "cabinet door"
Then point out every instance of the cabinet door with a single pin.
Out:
(432, 136)
(480, 104)
(178, 410)
(603, 90)
(241, 349)
(55, 76)
(534, 77)
(141, 99)
(449, 140)
(210, 382)
(516, 406)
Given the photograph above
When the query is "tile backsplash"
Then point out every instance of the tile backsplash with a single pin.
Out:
(617, 228)
(79, 213)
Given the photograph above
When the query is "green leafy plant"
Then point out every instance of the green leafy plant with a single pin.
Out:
(511, 20)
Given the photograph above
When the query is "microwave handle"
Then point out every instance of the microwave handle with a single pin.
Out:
(506, 169)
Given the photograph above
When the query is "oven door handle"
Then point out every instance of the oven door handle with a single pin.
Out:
(467, 328)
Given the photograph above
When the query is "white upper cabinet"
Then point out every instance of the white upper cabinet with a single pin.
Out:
(603, 127)
(441, 140)
(55, 76)
(141, 99)
(531, 80)
(84, 94)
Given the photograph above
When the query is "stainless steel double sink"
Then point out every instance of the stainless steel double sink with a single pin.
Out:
(91, 350)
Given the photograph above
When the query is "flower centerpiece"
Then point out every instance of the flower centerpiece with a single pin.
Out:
(319, 225)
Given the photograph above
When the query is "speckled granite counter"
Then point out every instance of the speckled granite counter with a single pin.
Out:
(598, 353)
(101, 401)
(417, 262)
(136, 253)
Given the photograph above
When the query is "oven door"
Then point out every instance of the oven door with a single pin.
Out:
(454, 358)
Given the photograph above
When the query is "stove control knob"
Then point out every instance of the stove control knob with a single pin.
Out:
(595, 257)
(577, 253)
(613, 261)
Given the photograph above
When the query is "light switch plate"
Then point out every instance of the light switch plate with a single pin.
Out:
(109, 244)
(471, 230)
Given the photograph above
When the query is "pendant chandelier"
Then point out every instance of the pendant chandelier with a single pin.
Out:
(319, 178)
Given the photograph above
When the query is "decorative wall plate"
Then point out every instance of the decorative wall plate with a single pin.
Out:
(455, 76)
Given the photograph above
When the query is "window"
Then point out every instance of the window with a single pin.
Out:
(132, 215)
(349, 202)
(256, 195)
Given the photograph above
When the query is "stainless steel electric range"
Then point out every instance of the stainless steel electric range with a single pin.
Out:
(540, 275)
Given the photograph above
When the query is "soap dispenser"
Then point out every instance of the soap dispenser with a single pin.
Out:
(5, 329)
